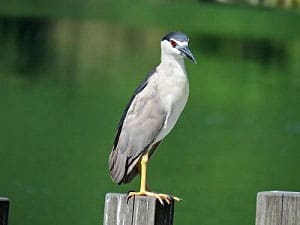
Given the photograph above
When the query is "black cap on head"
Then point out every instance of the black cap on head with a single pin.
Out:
(178, 36)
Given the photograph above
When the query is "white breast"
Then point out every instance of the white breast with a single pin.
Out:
(174, 92)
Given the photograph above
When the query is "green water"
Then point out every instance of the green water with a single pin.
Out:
(62, 93)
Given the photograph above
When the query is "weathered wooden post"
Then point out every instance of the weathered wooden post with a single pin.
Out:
(136, 211)
(278, 208)
(4, 206)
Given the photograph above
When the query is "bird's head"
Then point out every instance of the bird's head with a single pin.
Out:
(175, 44)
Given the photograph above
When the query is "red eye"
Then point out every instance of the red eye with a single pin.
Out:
(173, 43)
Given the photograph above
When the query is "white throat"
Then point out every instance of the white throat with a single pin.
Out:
(173, 87)
(172, 66)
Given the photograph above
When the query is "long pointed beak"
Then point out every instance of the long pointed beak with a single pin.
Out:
(185, 51)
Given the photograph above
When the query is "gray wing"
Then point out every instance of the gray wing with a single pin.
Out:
(139, 126)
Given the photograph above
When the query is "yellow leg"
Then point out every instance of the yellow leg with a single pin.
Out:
(144, 162)
(143, 188)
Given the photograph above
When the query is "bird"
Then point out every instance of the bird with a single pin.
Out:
(151, 114)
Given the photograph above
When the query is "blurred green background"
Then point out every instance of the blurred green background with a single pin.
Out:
(68, 68)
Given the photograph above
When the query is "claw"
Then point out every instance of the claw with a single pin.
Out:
(160, 197)
(176, 198)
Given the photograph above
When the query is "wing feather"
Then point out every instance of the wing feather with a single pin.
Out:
(140, 125)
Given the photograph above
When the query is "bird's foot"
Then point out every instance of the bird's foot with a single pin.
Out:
(160, 197)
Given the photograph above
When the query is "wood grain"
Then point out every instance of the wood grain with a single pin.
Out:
(278, 208)
(4, 207)
(136, 211)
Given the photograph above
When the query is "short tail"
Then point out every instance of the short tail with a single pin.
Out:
(120, 171)
(117, 166)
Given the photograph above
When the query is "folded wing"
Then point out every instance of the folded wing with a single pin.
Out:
(140, 124)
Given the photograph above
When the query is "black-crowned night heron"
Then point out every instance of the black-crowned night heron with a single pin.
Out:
(151, 114)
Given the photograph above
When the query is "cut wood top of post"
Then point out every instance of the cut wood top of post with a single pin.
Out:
(136, 210)
(286, 193)
(278, 208)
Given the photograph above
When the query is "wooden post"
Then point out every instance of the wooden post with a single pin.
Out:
(278, 208)
(4, 206)
(138, 210)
